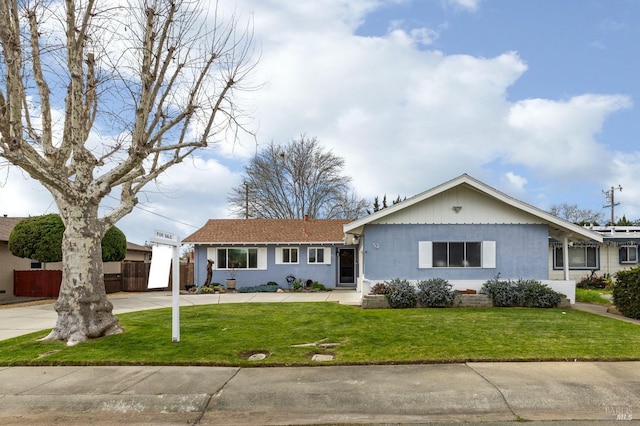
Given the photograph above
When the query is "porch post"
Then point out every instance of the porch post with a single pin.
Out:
(565, 257)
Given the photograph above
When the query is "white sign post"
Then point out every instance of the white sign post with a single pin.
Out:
(168, 239)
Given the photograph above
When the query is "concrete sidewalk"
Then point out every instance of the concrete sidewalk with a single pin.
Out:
(474, 392)
(494, 393)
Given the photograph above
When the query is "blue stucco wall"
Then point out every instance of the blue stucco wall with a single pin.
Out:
(391, 251)
(324, 274)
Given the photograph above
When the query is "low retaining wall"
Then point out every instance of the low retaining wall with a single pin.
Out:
(380, 301)
(568, 288)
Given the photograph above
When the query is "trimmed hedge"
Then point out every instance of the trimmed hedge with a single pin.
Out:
(265, 288)
(521, 293)
(436, 293)
(402, 295)
(626, 292)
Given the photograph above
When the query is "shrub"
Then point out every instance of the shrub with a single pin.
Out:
(263, 288)
(501, 293)
(626, 292)
(40, 238)
(534, 294)
(316, 286)
(524, 293)
(402, 295)
(381, 288)
(594, 282)
(210, 288)
(435, 293)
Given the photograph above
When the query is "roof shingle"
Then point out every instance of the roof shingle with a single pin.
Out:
(6, 226)
(231, 231)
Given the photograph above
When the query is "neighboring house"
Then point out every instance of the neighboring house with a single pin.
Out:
(618, 251)
(263, 250)
(466, 232)
(9, 262)
(135, 253)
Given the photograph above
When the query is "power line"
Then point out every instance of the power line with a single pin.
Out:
(159, 215)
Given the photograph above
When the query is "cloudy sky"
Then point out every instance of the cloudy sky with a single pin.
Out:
(537, 98)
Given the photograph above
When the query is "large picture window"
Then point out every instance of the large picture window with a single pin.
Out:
(629, 254)
(457, 254)
(581, 257)
(238, 258)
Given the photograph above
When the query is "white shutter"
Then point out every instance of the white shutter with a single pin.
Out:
(262, 258)
(488, 254)
(425, 254)
(212, 254)
(327, 255)
(278, 256)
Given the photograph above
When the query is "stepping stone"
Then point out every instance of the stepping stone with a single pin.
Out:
(257, 357)
(322, 357)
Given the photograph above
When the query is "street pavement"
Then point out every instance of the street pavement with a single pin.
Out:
(595, 393)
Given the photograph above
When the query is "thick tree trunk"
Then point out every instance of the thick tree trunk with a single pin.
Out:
(84, 311)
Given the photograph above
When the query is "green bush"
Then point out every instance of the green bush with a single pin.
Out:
(534, 294)
(317, 287)
(626, 292)
(435, 293)
(264, 288)
(114, 245)
(501, 293)
(523, 293)
(381, 288)
(595, 282)
(40, 238)
(402, 295)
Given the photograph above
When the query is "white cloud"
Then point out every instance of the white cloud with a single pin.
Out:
(469, 5)
(559, 137)
(514, 181)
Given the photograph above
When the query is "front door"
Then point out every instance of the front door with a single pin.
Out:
(347, 267)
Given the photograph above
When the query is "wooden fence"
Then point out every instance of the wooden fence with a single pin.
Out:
(134, 278)
(37, 283)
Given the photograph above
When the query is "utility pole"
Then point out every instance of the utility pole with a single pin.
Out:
(610, 194)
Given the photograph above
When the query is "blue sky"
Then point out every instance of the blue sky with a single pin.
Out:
(537, 98)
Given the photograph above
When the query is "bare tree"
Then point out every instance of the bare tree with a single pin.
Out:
(294, 180)
(575, 214)
(98, 99)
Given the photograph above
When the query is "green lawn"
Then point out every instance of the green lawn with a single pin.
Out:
(592, 296)
(219, 334)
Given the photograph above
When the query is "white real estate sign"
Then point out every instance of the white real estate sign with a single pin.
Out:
(160, 267)
(167, 252)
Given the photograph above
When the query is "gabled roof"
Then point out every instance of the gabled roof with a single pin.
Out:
(6, 226)
(558, 228)
(137, 247)
(273, 231)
